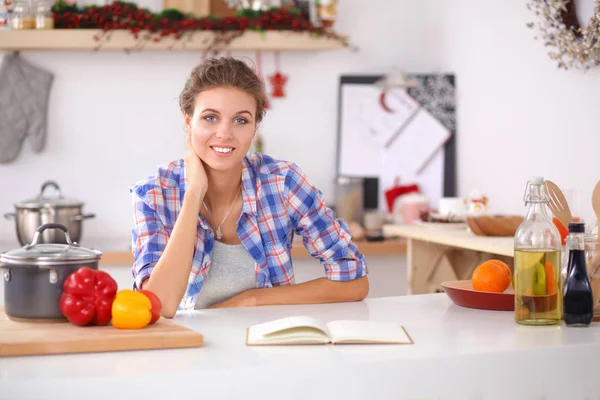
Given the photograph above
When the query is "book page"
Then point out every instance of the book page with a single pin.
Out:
(298, 329)
(345, 331)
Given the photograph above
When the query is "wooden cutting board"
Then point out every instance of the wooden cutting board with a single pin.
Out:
(39, 338)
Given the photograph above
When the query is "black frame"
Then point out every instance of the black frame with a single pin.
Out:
(449, 183)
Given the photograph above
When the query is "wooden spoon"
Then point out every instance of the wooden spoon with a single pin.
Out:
(558, 204)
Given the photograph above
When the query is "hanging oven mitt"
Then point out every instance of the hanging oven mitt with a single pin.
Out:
(35, 104)
(13, 122)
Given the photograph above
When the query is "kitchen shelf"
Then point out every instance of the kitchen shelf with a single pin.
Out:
(392, 246)
(83, 39)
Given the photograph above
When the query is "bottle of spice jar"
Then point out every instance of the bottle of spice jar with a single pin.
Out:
(43, 15)
(20, 17)
(4, 15)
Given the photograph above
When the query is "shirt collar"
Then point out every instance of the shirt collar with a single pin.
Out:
(248, 187)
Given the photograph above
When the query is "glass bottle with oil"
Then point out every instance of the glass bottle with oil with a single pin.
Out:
(537, 280)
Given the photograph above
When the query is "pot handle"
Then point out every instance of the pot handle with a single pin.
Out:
(82, 217)
(10, 216)
(38, 232)
(50, 183)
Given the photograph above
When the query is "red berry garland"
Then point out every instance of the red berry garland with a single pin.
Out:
(173, 23)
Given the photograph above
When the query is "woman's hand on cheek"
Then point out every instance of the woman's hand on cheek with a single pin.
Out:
(195, 174)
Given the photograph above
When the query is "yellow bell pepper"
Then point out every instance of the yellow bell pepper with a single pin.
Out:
(131, 310)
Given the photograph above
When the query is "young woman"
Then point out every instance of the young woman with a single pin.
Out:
(215, 229)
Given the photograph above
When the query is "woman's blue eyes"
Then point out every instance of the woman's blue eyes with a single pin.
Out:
(212, 118)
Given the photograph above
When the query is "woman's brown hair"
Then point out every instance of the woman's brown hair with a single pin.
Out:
(223, 71)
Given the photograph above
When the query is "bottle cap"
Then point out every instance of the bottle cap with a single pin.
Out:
(576, 227)
(537, 180)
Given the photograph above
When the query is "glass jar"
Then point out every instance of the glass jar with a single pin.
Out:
(4, 21)
(349, 201)
(43, 15)
(20, 17)
(537, 262)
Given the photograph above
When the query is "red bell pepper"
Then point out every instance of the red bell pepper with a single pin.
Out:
(87, 297)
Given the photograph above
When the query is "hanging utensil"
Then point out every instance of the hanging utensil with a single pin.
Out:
(558, 204)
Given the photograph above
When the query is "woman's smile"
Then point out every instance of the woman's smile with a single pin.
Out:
(222, 151)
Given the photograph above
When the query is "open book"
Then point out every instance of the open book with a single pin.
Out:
(308, 330)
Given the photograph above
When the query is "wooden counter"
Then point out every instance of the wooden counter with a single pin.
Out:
(387, 247)
(436, 254)
(117, 252)
(459, 238)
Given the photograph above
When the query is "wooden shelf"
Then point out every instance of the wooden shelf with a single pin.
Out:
(83, 39)
(387, 247)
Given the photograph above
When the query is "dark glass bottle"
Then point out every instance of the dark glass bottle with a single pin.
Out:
(577, 295)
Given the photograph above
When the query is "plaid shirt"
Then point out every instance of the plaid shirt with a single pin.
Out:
(277, 202)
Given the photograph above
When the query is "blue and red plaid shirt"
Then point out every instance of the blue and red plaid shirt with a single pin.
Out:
(277, 202)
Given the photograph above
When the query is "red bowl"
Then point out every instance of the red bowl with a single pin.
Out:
(463, 294)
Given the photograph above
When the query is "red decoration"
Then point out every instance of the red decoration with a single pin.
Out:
(396, 191)
(277, 80)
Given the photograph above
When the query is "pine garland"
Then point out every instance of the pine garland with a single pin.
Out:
(144, 24)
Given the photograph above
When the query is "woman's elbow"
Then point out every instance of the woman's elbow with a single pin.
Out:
(361, 289)
(168, 313)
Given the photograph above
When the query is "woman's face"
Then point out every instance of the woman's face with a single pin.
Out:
(222, 126)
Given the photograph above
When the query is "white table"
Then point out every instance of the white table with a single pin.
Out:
(459, 353)
(435, 255)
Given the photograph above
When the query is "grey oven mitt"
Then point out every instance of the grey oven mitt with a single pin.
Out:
(13, 124)
(36, 104)
(24, 95)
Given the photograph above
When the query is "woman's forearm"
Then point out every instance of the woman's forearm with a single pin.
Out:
(169, 277)
(320, 290)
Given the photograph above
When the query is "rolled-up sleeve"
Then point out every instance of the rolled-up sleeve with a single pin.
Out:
(149, 236)
(324, 236)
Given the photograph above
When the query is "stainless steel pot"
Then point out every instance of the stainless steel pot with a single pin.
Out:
(31, 214)
(34, 275)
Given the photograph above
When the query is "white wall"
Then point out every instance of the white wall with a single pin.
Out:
(518, 114)
(114, 117)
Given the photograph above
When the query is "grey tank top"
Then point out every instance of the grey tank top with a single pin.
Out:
(232, 271)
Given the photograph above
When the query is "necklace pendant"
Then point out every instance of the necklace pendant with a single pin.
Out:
(219, 233)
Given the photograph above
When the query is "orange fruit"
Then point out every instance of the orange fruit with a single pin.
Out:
(489, 277)
(506, 270)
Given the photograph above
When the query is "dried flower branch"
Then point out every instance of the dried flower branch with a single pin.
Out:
(573, 46)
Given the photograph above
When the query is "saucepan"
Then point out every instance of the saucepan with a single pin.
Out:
(34, 275)
(33, 213)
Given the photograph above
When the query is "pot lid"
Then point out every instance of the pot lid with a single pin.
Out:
(50, 254)
(43, 200)
(55, 254)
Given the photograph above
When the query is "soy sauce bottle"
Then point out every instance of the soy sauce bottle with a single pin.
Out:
(577, 295)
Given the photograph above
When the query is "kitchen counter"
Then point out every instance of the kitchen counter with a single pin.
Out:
(436, 254)
(457, 353)
(118, 252)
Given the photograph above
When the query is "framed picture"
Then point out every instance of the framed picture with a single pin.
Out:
(406, 134)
